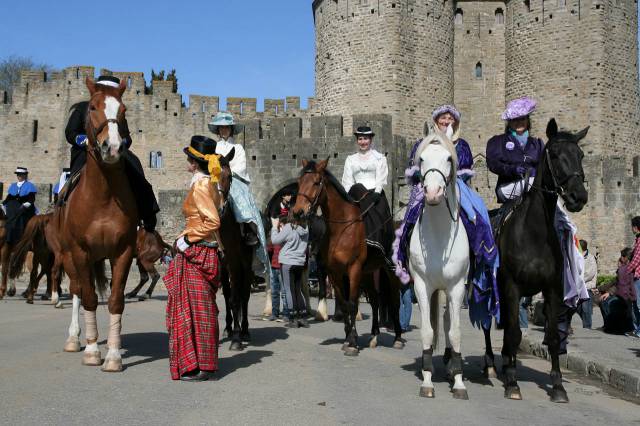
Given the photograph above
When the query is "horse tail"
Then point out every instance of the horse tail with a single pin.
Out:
(166, 246)
(33, 231)
(435, 317)
(100, 277)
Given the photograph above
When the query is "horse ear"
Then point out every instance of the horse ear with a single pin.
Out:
(552, 129)
(581, 134)
(322, 165)
(91, 85)
(230, 155)
(305, 162)
(122, 87)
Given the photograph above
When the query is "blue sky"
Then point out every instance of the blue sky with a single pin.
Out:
(267, 47)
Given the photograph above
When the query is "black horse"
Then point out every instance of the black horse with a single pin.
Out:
(237, 265)
(531, 258)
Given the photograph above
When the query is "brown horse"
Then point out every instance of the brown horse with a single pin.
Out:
(237, 274)
(98, 222)
(34, 240)
(5, 256)
(343, 249)
(149, 248)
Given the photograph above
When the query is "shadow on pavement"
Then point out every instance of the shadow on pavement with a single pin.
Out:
(150, 346)
(242, 360)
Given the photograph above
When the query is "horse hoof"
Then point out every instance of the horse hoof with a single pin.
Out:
(59, 305)
(92, 359)
(345, 345)
(226, 334)
(72, 344)
(143, 298)
(131, 295)
(11, 292)
(351, 351)
(373, 343)
(245, 338)
(321, 317)
(112, 365)
(235, 347)
(513, 392)
(559, 396)
(460, 394)
(29, 301)
(24, 294)
(398, 344)
(427, 392)
(490, 373)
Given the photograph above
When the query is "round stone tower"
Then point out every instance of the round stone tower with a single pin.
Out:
(579, 60)
(384, 56)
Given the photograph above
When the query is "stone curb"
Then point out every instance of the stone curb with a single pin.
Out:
(583, 364)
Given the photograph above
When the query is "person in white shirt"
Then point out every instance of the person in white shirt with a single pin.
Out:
(243, 204)
(364, 177)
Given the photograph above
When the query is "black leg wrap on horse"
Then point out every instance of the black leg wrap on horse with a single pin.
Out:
(447, 356)
(427, 360)
(454, 366)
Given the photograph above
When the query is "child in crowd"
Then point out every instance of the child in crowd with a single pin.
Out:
(292, 257)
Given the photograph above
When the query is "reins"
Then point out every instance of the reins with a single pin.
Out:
(447, 181)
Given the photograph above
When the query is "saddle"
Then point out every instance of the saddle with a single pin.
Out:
(501, 215)
(68, 187)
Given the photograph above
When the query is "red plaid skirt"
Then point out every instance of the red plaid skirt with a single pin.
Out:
(192, 314)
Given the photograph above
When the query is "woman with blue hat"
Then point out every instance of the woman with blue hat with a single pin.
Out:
(244, 206)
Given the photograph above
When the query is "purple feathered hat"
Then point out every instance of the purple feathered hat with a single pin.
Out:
(520, 107)
(446, 108)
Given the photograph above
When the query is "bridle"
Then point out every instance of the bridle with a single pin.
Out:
(97, 130)
(447, 180)
(313, 201)
(558, 187)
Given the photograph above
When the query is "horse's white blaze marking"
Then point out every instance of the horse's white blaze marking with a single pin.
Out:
(112, 106)
(74, 327)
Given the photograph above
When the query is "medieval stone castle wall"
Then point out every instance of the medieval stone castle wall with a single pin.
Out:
(388, 63)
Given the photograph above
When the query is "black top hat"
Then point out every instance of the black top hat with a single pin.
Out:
(202, 145)
(108, 80)
(364, 131)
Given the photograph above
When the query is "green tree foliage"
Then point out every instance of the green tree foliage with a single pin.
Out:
(160, 76)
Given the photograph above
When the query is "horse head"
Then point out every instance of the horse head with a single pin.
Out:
(310, 188)
(224, 184)
(105, 121)
(563, 166)
(436, 158)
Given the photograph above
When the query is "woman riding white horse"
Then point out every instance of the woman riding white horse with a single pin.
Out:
(439, 258)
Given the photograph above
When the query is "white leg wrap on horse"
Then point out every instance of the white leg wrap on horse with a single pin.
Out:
(322, 310)
(54, 298)
(115, 325)
(91, 347)
(426, 379)
(74, 327)
(458, 384)
(90, 322)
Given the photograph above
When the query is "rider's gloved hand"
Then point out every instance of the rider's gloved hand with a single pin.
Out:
(521, 170)
(26, 205)
(182, 244)
(81, 140)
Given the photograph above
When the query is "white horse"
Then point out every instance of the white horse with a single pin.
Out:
(439, 259)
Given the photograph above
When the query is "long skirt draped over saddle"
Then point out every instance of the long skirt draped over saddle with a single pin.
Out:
(377, 218)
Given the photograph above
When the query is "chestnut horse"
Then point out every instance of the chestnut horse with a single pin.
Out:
(34, 240)
(237, 273)
(149, 248)
(98, 222)
(343, 250)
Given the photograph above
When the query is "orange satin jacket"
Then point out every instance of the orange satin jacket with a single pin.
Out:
(200, 212)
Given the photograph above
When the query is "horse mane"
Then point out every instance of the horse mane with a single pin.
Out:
(311, 168)
(438, 138)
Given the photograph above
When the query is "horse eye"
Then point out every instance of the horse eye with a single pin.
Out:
(93, 108)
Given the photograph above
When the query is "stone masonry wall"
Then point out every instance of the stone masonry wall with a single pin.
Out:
(388, 56)
(479, 43)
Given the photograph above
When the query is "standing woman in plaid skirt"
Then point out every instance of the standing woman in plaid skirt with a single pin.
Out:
(193, 276)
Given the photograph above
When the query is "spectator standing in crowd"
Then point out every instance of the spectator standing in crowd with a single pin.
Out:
(278, 210)
(634, 268)
(590, 274)
(293, 254)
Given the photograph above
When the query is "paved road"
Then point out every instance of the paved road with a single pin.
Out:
(284, 377)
